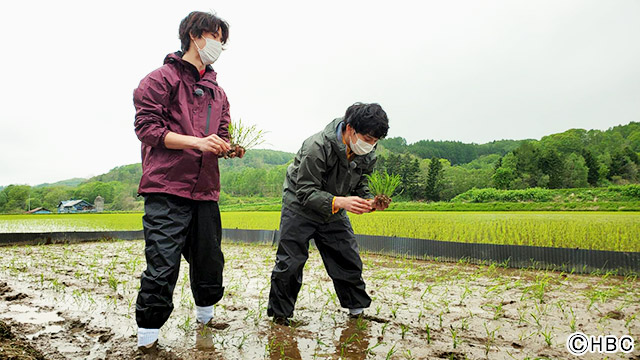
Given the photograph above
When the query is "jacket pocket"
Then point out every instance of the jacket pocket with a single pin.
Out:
(209, 175)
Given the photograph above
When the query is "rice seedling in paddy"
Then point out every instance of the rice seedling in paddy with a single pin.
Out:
(617, 231)
(70, 222)
(415, 304)
(586, 230)
(601, 231)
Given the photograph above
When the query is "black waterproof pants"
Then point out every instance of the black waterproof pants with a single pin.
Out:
(175, 226)
(337, 245)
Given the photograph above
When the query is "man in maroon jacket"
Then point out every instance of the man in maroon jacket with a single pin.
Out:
(182, 119)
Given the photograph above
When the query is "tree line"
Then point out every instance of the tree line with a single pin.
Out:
(259, 174)
(573, 159)
(429, 170)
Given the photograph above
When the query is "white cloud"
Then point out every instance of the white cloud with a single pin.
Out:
(456, 70)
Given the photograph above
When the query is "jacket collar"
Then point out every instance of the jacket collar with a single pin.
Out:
(339, 147)
(208, 79)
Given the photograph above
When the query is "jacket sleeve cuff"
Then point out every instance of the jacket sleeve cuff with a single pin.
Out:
(162, 137)
(334, 209)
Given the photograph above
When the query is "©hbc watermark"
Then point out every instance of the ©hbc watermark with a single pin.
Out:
(580, 344)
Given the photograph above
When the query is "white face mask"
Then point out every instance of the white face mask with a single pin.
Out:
(361, 147)
(211, 51)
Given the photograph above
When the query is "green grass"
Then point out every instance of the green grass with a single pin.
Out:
(617, 231)
(271, 205)
(274, 204)
(613, 193)
(70, 222)
(516, 206)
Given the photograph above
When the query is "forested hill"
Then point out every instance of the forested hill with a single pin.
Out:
(575, 158)
(68, 182)
(598, 142)
(256, 159)
(455, 151)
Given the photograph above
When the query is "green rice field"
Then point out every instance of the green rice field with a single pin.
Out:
(617, 231)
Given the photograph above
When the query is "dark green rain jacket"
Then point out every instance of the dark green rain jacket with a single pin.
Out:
(321, 171)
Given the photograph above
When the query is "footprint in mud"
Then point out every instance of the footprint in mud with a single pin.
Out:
(379, 320)
(219, 326)
(162, 354)
(451, 355)
(5, 331)
(14, 347)
(104, 338)
(18, 296)
(76, 326)
(103, 335)
(4, 288)
(615, 314)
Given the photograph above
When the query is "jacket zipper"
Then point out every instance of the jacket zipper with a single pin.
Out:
(206, 132)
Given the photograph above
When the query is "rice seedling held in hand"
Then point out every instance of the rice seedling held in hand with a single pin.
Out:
(242, 138)
(382, 185)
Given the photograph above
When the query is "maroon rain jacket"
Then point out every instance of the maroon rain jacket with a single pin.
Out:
(175, 98)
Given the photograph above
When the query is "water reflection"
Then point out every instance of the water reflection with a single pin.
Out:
(282, 343)
(205, 343)
(352, 344)
(354, 340)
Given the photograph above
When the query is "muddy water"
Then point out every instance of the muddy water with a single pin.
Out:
(78, 301)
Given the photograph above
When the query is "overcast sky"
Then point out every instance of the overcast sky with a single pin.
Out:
(471, 71)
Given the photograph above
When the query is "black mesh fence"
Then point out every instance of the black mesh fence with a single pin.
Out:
(516, 256)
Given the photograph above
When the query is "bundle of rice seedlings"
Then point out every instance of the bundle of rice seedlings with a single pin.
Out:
(382, 185)
(243, 137)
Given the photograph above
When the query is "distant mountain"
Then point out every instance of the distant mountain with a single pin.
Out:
(255, 158)
(572, 140)
(69, 182)
(126, 174)
(570, 159)
(455, 151)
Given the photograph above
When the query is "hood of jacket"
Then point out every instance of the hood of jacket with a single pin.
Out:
(209, 79)
(340, 148)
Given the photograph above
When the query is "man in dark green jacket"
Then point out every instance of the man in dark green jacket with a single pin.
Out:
(326, 179)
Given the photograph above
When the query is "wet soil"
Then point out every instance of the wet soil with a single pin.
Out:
(14, 348)
(236, 150)
(78, 302)
(381, 201)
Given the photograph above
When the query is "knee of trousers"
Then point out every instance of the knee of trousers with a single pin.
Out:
(288, 266)
(351, 276)
(156, 291)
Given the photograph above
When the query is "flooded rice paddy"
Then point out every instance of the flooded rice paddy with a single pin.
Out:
(78, 301)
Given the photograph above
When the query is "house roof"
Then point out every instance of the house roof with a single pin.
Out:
(36, 210)
(72, 203)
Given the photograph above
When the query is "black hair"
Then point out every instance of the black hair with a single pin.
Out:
(367, 119)
(198, 22)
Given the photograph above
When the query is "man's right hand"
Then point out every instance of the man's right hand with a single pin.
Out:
(354, 204)
(213, 143)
